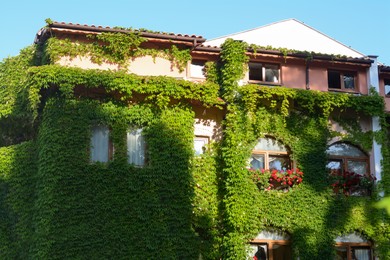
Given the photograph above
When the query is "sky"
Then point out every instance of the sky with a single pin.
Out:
(364, 25)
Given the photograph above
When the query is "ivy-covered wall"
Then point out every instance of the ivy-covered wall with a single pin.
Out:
(56, 204)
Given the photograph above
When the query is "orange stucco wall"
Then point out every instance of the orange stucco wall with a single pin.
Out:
(144, 66)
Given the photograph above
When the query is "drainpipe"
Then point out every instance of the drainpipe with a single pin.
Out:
(307, 74)
(376, 148)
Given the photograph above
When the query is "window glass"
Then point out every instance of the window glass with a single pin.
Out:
(200, 143)
(271, 245)
(341, 253)
(361, 253)
(349, 80)
(99, 150)
(359, 167)
(135, 147)
(387, 87)
(282, 252)
(334, 79)
(270, 144)
(269, 154)
(279, 162)
(271, 73)
(335, 165)
(255, 71)
(196, 69)
(344, 149)
(257, 161)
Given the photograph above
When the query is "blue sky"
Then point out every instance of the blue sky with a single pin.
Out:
(364, 25)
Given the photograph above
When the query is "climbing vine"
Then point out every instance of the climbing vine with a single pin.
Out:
(119, 48)
(55, 203)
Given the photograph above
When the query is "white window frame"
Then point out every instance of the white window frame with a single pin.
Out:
(201, 139)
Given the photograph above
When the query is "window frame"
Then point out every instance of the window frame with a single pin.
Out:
(341, 80)
(268, 153)
(263, 73)
(352, 245)
(270, 245)
(344, 159)
(202, 137)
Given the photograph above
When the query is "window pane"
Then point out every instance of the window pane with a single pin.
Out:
(361, 253)
(200, 144)
(135, 147)
(334, 79)
(281, 252)
(260, 251)
(343, 149)
(387, 87)
(358, 167)
(269, 144)
(334, 165)
(279, 162)
(257, 161)
(196, 69)
(255, 71)
(349, 81)
(341, 253)
(271, 73)
(99, 144)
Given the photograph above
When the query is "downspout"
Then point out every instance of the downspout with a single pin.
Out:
(307, 74)
(376, 148)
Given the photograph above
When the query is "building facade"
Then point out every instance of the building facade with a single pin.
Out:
(268, 144)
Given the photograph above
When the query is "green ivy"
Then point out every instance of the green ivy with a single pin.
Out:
(55, 203)
(118, 48)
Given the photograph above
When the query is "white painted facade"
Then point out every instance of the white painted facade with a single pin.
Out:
(291, 34)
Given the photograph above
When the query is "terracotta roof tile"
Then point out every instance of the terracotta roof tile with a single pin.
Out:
(85, 27)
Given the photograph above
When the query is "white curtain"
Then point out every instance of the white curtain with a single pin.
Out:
(99, 144)
(362, 254)
(135, 147)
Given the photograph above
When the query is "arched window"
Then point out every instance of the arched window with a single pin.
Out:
(344, 157)
(271, 245)
(270, 154)
(353, 246)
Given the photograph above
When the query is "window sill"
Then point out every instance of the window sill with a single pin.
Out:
(266, 83)
(344, 91)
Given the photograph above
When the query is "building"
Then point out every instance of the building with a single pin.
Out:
(268, 143)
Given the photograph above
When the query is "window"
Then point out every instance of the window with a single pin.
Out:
(200, 143)
(342, 80)
(196, 68)
(271, 245)
(101, 147)
(269, 154)
(353, 246)
(264, 72)
(344, 157)
(135, 147)
(387, 87)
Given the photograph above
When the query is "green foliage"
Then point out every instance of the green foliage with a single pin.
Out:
(118, 48)
(310, 213)
(159, 90)
(16, 121)
(55, 203)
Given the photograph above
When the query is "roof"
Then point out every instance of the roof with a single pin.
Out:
(62, 26)
(291, 34)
